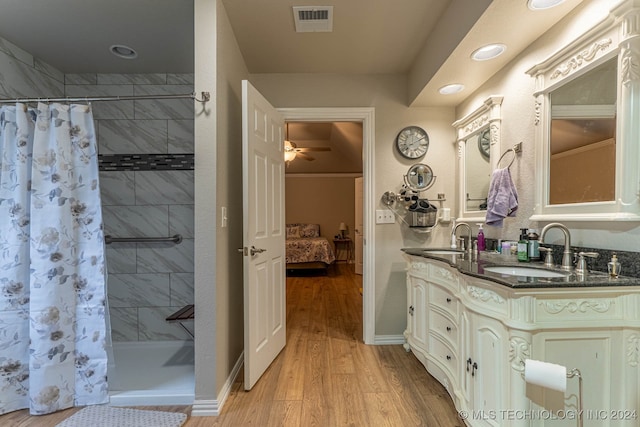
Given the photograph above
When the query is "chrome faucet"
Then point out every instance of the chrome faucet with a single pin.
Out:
(567, 256)
(453, 233)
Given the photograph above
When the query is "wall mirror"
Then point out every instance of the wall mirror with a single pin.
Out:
(419, 177)
(478, 139)
(586, 132)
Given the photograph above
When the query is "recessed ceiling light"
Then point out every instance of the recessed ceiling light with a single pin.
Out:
(451, 89)
(489, 51)
(543, 4)
(123, 51)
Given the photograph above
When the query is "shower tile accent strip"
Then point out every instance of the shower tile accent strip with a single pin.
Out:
(145, 162)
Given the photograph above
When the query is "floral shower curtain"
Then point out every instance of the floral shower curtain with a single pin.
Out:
(52, 264)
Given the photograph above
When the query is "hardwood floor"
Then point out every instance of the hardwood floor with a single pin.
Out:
(325, 376)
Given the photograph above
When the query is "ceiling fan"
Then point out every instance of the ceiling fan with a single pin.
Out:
(291, 150)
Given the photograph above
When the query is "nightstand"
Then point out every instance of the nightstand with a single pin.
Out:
(345, 246)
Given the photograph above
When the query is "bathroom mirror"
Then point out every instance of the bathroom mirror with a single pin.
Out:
(582, 145)
(586, 102)
(478, 136)
(477, 170)
(419, 177)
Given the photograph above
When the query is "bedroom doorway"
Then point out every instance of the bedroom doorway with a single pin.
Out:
(364, 117)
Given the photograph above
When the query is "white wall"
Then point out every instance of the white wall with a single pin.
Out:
(517, 87)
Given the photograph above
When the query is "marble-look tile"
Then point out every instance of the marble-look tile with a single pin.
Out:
(181, 220)
(180, 136)
(81, 79)
(182, 285)
(136, 221)
(164, 108)
(139, 290)
(105, 109)
(154, 327)
(48, 69)
(165, 257)
(20, 80)
(124, 324)
(121, 258)
(117, 188)
(16, 52)
(180, 79)
(164, 187)
(138, 79)
(132, 136)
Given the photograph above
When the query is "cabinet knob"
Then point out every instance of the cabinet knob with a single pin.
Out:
(473, 371)
(469, 362)
(448, 299)
(448, 328)
(448, 357)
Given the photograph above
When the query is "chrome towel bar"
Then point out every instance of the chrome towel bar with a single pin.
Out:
(176, 238)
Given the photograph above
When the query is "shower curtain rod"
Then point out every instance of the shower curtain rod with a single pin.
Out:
(205, 96)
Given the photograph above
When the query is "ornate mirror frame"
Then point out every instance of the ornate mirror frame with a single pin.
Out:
(617, 35)
(487, 116)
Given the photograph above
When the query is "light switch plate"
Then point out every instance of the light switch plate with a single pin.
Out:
(385, 216)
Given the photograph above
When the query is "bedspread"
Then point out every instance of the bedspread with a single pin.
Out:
(309, 249)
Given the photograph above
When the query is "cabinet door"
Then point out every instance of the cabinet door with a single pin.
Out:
(489, 367)
(417, 319)
(483, 381)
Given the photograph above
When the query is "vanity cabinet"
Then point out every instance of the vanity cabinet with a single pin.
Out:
(473, 335)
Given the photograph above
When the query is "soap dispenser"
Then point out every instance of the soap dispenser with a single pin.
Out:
(523, 246)
(482, 244)
(613, 266)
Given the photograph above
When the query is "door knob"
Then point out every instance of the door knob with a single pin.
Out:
(251, 251)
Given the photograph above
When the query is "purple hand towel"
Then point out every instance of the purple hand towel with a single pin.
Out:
(503, 197)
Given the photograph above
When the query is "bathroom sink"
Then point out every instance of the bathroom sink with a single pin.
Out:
(443, 252)
(524, 271)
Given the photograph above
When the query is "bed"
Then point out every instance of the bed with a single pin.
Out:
(305, 248)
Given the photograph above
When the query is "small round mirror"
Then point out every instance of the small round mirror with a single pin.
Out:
(419, 177)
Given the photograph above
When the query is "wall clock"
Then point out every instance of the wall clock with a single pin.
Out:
(484, 143)
(412, 142)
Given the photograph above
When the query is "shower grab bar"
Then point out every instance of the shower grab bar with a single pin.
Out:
(177, 239)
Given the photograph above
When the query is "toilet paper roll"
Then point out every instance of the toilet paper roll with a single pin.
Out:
(545, 374)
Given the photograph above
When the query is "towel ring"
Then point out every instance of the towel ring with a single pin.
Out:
(515, 150)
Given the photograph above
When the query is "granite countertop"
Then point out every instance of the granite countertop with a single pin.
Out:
(474, 265)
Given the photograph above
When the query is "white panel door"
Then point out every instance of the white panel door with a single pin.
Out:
(359, 232)
(263, 233)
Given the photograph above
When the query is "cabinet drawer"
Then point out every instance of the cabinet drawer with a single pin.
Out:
(444, 326)
(446, 357)
(444, 299)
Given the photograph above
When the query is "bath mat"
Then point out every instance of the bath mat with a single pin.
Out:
(109, 416)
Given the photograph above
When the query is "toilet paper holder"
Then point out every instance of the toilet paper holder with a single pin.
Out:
(575, 372)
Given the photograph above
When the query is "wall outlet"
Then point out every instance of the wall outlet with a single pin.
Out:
(385, 216)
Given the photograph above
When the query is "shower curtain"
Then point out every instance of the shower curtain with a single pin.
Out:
(52, 264)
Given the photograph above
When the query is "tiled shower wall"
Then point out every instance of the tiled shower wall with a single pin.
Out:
(147, 281)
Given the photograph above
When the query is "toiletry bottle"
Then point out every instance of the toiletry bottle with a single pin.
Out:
(482, 245)
(613, 266)
(523, 246)
(534, 245)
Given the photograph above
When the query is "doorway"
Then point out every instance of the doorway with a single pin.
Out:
(366, 116)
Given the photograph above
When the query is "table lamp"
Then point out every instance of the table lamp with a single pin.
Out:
(343, 228)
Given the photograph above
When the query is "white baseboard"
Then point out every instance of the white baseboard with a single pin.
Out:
(212, 408)
(389, 340)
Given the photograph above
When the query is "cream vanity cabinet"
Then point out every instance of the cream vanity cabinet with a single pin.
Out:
(473, 335)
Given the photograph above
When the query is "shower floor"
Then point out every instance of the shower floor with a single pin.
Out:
(152, 373)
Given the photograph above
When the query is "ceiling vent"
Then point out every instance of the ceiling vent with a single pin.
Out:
(310, 19)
